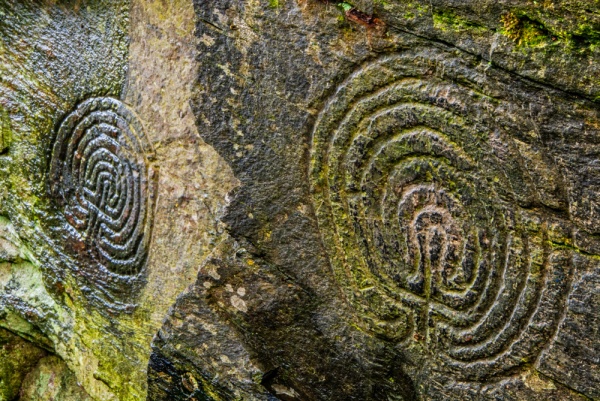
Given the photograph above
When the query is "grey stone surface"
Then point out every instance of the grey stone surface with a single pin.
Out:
(436, 165)
(52, 380)
(17, 358)
(109, 200)
(302, 200)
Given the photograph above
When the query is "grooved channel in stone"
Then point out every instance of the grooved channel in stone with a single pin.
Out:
(428, 244)
(102, 180)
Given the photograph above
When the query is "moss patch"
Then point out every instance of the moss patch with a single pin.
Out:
(51, 380)
(448, 20)
(527, 31)
(17, 358)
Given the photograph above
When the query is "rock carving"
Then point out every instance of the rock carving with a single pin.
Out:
(427, 244)
(102, 180)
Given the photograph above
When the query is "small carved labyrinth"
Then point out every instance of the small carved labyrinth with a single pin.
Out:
(423, 230)
(103, 182)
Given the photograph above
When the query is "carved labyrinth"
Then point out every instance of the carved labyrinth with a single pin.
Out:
(422, 233)
(103, 182)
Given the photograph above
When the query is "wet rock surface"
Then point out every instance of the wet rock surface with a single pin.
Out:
(17, 358)
(301, 200)
(52, 380)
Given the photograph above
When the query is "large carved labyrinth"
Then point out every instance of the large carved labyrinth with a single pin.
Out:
(420, 224)
(103, 182)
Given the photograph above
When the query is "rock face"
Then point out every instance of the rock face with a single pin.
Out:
(300, 200)
(17, 357)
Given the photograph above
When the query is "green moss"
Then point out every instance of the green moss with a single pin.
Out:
(449, 21)
(511, 26)
(568, 246)
(534, 34)
(525, 31)
(586, 35)
(274, 3)
(5, 134)
(345, 6)
(529, 32)
(17, 358)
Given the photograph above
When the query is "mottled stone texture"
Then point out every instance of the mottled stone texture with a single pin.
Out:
(109, 199)
(17, 358)
(417, 212)
(300, 200)
(52, 380)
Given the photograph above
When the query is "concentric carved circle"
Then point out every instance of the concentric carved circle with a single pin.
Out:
(422, 228)
(102, 179)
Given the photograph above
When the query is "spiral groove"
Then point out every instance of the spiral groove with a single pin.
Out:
(103, 182)
(422, 231)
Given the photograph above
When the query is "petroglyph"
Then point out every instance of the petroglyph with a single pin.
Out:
(102, 179)
(424, 235)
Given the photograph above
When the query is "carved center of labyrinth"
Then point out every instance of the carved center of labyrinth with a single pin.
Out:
(422, 232)
(103, 182)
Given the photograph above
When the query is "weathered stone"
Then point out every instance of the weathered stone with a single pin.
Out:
(51, 380)
(439, 157)
(81, 94)
(17, 358)
(302, 200)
